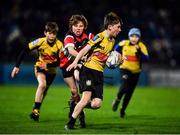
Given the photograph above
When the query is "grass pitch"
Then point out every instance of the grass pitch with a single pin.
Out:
(151, 110)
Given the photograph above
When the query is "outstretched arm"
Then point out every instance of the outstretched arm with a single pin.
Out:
(18, 62)
(83, 52)
(72, 51)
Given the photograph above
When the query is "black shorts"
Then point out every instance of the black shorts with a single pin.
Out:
(67, 73)
(129, 80)
(91, 80)
(49, 76)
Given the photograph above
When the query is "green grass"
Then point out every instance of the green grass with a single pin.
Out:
(151, 110)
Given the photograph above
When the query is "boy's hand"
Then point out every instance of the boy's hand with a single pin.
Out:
(14, 72)
(73, 65)
(43, 66)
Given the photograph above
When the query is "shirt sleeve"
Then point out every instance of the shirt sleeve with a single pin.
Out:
(143, 49)
(69, 41)
(23, 53)
(90, 36)
(118, 47)
(144, 52)
(96, 39)
(31, 46)
(34, 44)
(60, 47)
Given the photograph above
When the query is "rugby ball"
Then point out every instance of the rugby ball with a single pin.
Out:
(113, 60)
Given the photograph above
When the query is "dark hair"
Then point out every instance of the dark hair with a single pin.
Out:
(51, 27)
(111, 19)
(75, 19)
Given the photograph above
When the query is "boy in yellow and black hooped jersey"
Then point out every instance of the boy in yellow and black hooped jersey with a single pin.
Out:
(91, 74)
(133, 53)
(49, 48)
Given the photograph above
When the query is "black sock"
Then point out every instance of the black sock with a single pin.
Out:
(72, 106)
(37, 105)
(72, 121)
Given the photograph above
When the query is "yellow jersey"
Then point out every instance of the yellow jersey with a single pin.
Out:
(101, 45)
(47, 54)
(131, 61)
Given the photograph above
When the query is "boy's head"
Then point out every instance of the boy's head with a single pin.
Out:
(75, 19)
(51, 27)
(51, 30)
(111, 19)
(112, 23)
(134, 35)
(134, 31)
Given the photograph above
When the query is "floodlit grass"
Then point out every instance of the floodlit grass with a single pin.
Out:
(151, 110)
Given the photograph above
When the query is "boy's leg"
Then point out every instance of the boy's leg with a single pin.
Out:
(122, 90)
(86, 96)
(44, 81)
(75, 98)
(41, 78)
(129, 91)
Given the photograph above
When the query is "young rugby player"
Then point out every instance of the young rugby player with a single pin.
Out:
(133, 52)
(49, 48)
(75, 39)
(91, 73)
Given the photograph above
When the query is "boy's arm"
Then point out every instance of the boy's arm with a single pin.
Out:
(83, 52)
(19, 60)
(142, 53)
(23, 53)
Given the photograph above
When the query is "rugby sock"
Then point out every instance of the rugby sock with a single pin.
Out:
(37, 105)
(72, 121)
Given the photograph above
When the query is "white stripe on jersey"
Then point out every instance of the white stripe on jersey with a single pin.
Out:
(69, 44)
(68, 37)
(90, 35)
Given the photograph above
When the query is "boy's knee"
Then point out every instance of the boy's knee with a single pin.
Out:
(42, 86)
(95, 105)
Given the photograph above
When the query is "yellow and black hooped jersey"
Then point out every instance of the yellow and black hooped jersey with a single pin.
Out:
(132, 57)
(101, 46)
(48, 54)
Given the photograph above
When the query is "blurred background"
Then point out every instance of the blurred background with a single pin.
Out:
(23, 21)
